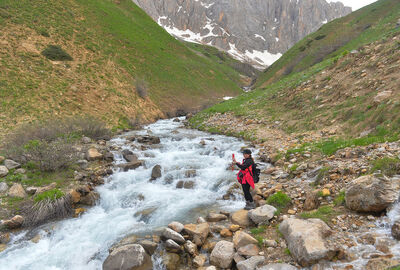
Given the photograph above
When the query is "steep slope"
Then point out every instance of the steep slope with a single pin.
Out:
(256, 31)
(124, 66)
(347, 95)
(345, 34)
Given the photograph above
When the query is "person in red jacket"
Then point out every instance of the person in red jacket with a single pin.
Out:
(245, 177)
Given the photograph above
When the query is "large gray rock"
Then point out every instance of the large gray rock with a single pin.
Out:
(306, 240)
(262, 214)
(128, 257)
(260, 25)
(371, 193)
(11, 164)
(277, 266)
(250, 264)
(17, 191)
(173, 235)
(222, 254)
(3, 171)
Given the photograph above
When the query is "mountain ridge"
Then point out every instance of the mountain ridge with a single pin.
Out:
(257, 32)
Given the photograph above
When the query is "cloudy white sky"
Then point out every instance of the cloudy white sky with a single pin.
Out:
(355, 4)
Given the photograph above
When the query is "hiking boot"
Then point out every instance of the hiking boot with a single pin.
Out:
(250, 205)
(247, 207)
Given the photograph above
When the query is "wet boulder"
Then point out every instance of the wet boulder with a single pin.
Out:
(128, 257)
(185, 184)
(306, 240)
(396, 230)
(170, 234)
(262, 214)
(155, 172)
(190, 173)
(147, 139)
(222, 254)
(131, 165)
(129, 156)
(371, 193)
(90, 199)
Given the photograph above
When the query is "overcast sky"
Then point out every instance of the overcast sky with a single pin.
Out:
(354, 4)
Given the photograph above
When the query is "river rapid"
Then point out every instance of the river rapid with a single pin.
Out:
(131, 204)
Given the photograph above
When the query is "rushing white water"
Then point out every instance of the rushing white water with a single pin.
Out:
(130, 204)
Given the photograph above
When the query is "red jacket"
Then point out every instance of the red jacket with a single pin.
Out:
(246, 168)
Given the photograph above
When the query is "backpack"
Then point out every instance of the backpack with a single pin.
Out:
(255, 173)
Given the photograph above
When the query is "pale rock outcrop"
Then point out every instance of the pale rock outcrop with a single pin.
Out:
(306, 240)
(372, 193)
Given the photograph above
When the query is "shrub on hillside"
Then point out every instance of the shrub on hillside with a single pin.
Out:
(56, 53)
(141, 87)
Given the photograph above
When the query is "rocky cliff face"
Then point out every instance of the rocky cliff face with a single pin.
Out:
(256, 31)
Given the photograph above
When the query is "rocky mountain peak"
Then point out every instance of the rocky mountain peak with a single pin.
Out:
(257, 31)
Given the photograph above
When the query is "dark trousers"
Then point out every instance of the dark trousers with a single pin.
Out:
(246, 191)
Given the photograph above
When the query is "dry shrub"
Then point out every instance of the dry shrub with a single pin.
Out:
(141, 87)
(50, 156)
(50, 143)
(49, 209)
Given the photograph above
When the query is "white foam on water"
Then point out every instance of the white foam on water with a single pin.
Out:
(83, 243)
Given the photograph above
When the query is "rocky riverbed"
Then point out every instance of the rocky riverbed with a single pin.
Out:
(172, 203)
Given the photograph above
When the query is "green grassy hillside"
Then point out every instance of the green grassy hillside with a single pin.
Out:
(123, 64)
(346, 94)
(363, 26)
